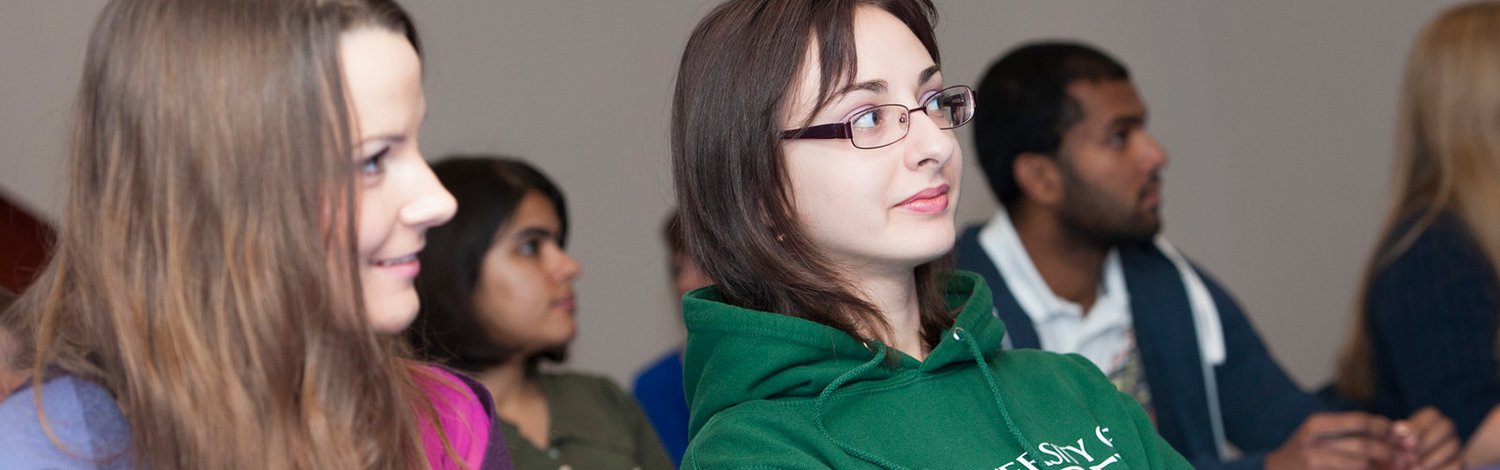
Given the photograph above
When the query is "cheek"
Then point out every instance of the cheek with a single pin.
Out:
(372, 222)
(830, 192)
(512, 294)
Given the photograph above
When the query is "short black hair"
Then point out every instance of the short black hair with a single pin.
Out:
(488, 188)
(1024, 105)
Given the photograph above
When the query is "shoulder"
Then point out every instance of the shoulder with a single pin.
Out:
(580, 395)
(759, 434)
(663, 369)
(463, 410)
(1442, 259)
(1445, 241)
(581, 382)
(1042, 362)
(660, 379)
(82, 415)
(451, 391)
(1066, 370)
(1442, 272)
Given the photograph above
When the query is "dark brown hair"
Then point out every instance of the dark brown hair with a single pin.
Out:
(488, 188)
(206, 271)
(737, 72)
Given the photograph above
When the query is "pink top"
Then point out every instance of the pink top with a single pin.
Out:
(462, 417)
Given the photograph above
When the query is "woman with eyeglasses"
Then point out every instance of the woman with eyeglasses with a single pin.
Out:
(818, 174)
(498, 300)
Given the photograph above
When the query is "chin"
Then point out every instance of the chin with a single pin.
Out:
(391, 313)
(936, 243)
(914, 256)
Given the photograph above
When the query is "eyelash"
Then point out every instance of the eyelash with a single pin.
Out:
(530, 247)
(922, 101)
(375, 164)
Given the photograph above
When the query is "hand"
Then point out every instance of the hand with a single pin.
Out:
(1434, 444)
(1336, 441)
(1483, 448)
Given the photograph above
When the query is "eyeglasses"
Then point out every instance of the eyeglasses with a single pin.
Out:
(888, 123)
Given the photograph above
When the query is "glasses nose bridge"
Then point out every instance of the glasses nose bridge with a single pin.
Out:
(905, 118)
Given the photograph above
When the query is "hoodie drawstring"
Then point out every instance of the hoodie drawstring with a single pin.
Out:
(984, 369)
(828, 391)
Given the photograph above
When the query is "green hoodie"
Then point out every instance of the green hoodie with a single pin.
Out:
(773, 391)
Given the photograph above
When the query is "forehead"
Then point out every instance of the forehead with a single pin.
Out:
(885, 49)
(1104, 101)
(535, 210)
(381, 72)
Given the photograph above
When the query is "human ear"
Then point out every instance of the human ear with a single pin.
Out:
(1039, 178)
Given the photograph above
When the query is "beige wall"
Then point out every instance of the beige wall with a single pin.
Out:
(1276, 113)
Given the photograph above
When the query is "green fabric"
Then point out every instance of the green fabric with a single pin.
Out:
(595, 424)
(773, 391)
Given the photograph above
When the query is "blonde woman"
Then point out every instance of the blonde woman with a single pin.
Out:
(246, 201)
(1426, 332)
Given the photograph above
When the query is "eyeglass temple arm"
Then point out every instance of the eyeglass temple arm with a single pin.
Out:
(837, 130)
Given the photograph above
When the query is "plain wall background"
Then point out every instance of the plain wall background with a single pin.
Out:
(1277, 115)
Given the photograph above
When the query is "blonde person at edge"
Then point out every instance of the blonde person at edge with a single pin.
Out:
(817, 177)
(1429, 305)
(245, 203)
(498, 300)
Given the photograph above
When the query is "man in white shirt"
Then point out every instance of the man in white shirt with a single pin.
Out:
(1077, 265)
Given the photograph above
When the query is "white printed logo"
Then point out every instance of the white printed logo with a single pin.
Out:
(1076, 455)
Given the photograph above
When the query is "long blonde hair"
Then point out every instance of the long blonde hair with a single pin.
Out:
(1447, 156)
(205, 271)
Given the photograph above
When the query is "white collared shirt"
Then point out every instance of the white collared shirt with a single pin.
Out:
(1104, 336)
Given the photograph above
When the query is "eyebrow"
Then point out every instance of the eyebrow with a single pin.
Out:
(879, 86)
(1128, 121)
(535, 232)
(392, 139)
(395, 138)
(927, 74)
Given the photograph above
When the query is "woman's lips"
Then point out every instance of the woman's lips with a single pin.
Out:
(569, 303)
(929, 201)
(405, 267)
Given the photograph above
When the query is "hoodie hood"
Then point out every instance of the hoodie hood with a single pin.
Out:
(735, 355)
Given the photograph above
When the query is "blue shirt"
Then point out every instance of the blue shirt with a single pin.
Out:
(83, 417)
(659, 390)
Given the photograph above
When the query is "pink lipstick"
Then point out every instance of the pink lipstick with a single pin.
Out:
(929, 201)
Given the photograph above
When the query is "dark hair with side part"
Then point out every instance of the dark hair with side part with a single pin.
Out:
(734, 86)
(488, 189)
(1024, 105)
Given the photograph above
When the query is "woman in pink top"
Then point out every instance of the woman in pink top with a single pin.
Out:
(246, 203)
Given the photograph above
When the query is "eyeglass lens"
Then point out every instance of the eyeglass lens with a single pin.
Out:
(886, 124)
